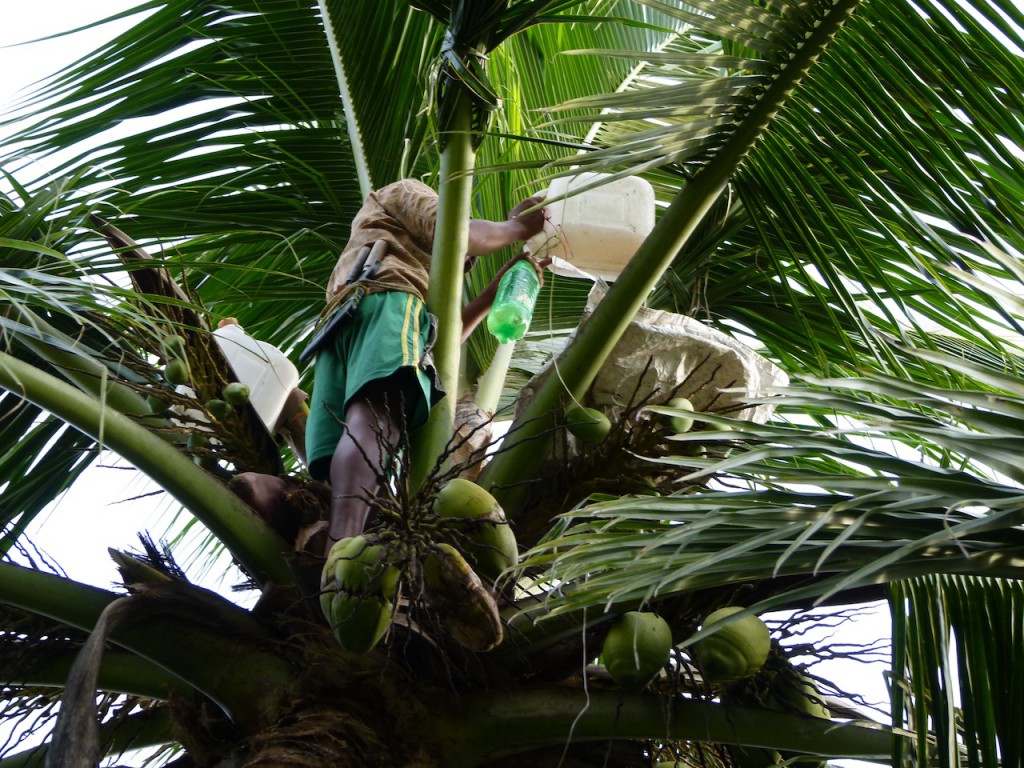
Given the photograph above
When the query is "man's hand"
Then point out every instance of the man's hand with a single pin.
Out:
(538, 266)
(487, 236)
(529, 222)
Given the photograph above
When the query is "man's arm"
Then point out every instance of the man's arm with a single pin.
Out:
(476, 310)
(522, 223)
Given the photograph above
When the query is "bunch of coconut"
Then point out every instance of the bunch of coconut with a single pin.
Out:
(597, 439)
(454, 563)
(210, 410)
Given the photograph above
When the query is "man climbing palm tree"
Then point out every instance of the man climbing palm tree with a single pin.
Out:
(373, 376)
(373, 372)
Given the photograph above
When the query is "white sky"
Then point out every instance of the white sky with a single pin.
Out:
(22, 65)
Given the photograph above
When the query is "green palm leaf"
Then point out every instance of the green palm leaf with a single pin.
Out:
(831, 509)
(974, 623)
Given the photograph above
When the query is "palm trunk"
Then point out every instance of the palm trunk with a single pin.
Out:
(258, 549)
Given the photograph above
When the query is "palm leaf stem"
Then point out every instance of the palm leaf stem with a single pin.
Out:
(215, 652)
(121, 672)
(484, 728)
(260, 551)
(359, 159)
(148, 728)
(83, 370)
(489, 386)
(583, 357)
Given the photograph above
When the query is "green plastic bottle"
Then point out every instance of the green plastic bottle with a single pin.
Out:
(513, 304)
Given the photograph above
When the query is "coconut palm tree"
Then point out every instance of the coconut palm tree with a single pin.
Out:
(839, 186)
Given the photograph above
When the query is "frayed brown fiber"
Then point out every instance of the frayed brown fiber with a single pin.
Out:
(314, 738)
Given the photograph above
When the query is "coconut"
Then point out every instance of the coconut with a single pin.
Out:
(359, 621)
(176, 372)
(236, 393)
(800, 693)
(173, 346)
(678, 422)
(219, 409)
(734, 652)
(357, 587)
(156, 404)
(796, 691)
(588, 425)
(467, 610)
(489, 543)
(636, 648)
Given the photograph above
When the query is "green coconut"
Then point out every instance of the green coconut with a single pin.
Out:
(469, 613)
(588, 425)
(736, 651)
(486, 539)
(156, 404)
(219, 409)
(796, 691)
(636, 647)
(173, 347)
(357, 589)
(176, 372)
(800, 693)
(680, 423)
(236, 393)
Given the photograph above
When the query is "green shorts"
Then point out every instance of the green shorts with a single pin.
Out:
(387, 333)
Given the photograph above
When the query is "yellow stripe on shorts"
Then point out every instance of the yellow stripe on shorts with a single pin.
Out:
(416, 330)
(411, 344)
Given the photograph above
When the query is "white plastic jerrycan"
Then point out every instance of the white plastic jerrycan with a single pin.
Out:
(595, 232)
(262, 367)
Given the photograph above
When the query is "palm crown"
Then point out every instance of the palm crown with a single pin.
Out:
(839, 181)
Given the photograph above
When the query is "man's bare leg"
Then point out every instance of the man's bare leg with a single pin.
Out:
(261, 492)
(372, 425)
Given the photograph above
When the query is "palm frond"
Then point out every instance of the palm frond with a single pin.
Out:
(688, 99)
(891, 481)
(875, 201)
(237, 134)
(954, 641)
(383, 48)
